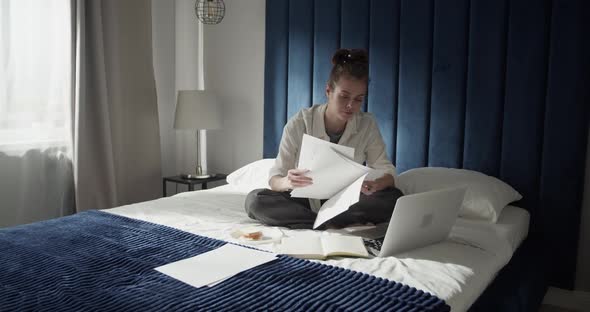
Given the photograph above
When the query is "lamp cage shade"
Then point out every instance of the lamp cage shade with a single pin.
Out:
(210, 11)
(197, 109)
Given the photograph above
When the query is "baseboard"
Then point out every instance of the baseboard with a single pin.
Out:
(573, 300)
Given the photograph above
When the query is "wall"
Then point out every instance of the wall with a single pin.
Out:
(177, 66)
(188, 76)
(234, 58)
(234, 69)
(583, 272)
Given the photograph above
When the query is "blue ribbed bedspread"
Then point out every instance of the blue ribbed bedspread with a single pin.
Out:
(96, 261)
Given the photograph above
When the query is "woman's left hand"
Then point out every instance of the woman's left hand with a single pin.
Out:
(370, 187)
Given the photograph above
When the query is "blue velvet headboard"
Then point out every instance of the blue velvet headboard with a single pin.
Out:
(495, 86)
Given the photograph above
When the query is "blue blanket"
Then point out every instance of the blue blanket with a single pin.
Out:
(96, 261)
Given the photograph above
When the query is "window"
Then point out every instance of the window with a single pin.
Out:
(35, 74)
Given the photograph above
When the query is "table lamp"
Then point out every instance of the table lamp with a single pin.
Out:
(197, 110)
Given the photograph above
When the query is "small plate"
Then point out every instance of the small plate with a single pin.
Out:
(269, 235)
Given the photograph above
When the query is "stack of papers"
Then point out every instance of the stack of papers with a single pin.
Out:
(215, 266)
(336, 176)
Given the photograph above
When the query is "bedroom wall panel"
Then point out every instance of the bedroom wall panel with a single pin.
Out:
(354, 27)
(415, 70)
(485, 85)
(498, 86)
(383, 87)
(564, 155)
(526, 83)
(275, 72)
(583, 269)
(325, 41)
(449, 74)
(300, 59)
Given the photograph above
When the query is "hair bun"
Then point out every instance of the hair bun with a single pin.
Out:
(340, 56)
(343, 56)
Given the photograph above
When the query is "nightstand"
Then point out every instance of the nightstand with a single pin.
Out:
(191, 182)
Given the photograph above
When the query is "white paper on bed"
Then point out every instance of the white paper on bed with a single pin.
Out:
(216, 265)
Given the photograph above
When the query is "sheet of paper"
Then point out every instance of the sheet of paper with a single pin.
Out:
(219, 281)
(340, 202)
(330, 169)
(215, 265)
(311, 145)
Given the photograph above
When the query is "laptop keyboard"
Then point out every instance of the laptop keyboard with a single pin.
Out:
(373, 245)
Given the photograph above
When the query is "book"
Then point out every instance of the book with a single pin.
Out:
(336, 176)
(322, 247)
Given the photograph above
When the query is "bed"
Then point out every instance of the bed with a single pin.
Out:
(457, 270)
(46, 266)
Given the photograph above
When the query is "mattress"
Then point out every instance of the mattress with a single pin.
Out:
(456, 270)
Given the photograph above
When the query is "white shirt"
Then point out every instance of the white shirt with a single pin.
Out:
(361, 133)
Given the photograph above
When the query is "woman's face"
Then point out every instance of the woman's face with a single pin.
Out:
(346, 98)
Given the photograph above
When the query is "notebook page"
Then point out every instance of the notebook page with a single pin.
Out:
(303, 246)
(335, 245)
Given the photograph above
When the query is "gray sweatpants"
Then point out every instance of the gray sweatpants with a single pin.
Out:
(280, 209)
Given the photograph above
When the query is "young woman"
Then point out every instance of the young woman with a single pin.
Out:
(340, 121)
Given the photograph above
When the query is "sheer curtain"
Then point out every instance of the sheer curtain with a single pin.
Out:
(78, 111)
(36, 179)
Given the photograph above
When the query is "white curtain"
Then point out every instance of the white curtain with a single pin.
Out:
(78, 112)
(36, 180)
(35, 85)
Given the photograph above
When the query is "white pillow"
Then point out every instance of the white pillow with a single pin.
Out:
(252, 176)
(485, 197)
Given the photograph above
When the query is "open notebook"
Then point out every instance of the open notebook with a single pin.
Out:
(322, 247)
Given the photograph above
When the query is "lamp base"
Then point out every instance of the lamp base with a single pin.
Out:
(192, 176)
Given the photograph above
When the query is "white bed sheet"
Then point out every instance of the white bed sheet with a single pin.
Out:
(456, 270)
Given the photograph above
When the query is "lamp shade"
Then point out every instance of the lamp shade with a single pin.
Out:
(196, 109)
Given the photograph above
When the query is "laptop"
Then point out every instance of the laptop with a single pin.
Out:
(418, 220)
